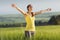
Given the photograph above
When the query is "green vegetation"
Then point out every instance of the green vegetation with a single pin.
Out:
(42, 33)
(19, 18)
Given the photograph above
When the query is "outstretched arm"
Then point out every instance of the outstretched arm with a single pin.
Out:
(19, 9)
(43, 11)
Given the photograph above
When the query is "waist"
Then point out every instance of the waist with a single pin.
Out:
(30, 27)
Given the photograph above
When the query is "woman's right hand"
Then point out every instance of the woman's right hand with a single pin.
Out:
(13, 5)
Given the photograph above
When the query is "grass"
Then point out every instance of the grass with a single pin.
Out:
(42, 33)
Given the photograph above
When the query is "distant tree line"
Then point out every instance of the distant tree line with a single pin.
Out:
(55, 20)
(13, 25)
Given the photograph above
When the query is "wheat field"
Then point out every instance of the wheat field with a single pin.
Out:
(42, 33)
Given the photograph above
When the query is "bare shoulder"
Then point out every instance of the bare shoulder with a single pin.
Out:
(33, 14)
(25, 14)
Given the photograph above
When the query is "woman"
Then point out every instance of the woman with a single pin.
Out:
(30, 18)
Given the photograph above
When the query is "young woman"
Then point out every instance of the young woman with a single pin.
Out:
(30, 18)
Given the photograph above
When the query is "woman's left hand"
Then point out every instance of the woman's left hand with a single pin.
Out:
(49, 9)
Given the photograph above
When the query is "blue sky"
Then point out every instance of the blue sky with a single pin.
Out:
(5, 5)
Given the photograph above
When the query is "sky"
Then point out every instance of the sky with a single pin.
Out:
(5, 5)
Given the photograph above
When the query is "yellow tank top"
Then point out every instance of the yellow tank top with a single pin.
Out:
(30, 23)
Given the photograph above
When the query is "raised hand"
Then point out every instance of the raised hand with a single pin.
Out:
(13, 5)
(49, 9)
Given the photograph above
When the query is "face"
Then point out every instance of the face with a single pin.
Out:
(29, 8)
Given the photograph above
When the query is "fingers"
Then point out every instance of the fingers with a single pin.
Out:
(49, 9)
(13, 5)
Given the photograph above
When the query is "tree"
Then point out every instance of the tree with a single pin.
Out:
(52, 21)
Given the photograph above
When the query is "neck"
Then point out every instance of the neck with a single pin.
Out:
(29, 11)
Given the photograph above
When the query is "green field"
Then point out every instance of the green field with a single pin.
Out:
(42, 33)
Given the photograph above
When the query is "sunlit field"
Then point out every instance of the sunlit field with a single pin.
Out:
(42, 33)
